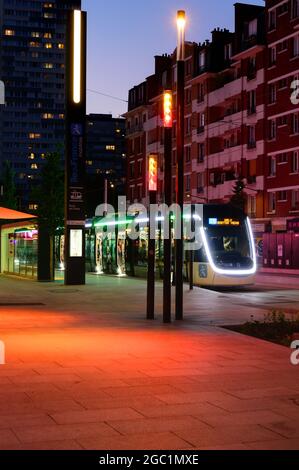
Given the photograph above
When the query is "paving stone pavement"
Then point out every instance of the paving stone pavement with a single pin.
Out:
(84, 370)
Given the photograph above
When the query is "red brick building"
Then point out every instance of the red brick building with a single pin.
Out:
(239, 118)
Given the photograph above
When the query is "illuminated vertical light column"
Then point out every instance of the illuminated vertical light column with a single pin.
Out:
(75, 149)
(152, 189)
(181, 25)
(168, 123)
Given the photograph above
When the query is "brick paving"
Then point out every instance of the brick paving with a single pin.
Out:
(86, 371)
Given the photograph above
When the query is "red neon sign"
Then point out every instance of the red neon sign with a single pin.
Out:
(153, 173)
(168, 120)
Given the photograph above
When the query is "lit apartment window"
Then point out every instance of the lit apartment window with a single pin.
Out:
(9, 32)
(34, 136)
(272, 166)
(295, 199)
(89, 162)
(34, 44)
(33, 207)
(272, 202)
(60, 45)
(295, 162)
(47, 35)
(34, 166)
(35, 34)
(31, 156)
(48, 116)
(48, 66)
(110, 148)
(48, 45)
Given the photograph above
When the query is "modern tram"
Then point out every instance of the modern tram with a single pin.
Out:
(225, 253)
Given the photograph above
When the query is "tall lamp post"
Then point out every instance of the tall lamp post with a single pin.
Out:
(75, 149)
(181, 24)
(151, 277)
(168, 123)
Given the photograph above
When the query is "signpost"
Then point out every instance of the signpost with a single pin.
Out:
(75, 150)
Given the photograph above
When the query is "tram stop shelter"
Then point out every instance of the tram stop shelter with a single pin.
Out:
(19, 243)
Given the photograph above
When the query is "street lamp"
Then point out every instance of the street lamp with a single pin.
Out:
(181, 25)
(168, 123)
(75, 138)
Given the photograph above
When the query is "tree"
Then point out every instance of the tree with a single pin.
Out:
(9, 198)
(49, 197)
(239, 197)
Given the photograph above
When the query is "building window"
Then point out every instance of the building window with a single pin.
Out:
(272, 202)
(295, 200)
(188, 154)
(282, 121)
(272, 56)
(188, 96)
(251, 102)
(295, 162)
(282, 196)
(282, 158)
(228, 51)
(132, 170)
(251, 202)
(140, 168)
(272, 166)
(272, 19)
(9, 32)
(283, 83)
(272, 93)
(188, 183)
(251, 137)
(200, 93)
(295, 8)
(295, 123)
(200, 183)
(296, 46)
(272, 129)
(282, 9)
(174, 157)
(252, 28)
(201, 153)
(188, 126)
(202, 61)
(110, 148)
(201, 123)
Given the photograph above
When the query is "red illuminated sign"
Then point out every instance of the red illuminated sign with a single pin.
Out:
(167, 109)
(153, 173)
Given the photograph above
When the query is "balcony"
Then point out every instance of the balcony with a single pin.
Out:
(200, 129)
(251, 145)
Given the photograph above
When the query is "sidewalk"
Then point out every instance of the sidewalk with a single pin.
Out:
(278, 277)
(86, 371)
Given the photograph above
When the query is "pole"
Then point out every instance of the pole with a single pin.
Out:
(179, 314)
(167, 228)
(191, 277)
(75, 157)
(151, 266)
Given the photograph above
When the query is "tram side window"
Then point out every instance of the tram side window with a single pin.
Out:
(200, 256)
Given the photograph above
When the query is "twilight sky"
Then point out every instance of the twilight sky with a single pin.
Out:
(125, 35)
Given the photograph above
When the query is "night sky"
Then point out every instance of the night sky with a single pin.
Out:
(124, 36)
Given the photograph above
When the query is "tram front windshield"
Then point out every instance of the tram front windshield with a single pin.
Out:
(230, 246)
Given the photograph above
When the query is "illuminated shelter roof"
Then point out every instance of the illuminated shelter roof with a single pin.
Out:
(9, 214)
